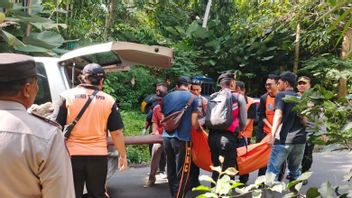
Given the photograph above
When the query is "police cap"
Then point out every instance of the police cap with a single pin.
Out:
(14, 67)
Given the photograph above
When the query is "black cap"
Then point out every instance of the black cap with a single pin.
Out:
(183, 80)
(289, 76)
(94, 70)
(14, 67)
(227, 76)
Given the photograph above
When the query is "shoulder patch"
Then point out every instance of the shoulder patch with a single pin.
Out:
(47, 120)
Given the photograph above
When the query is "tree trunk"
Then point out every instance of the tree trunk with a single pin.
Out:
(296, 61)
(206, 14)
(346, 49)
(29, 12)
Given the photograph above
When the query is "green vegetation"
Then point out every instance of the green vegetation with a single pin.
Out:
(253, 38)
(134, 123)
(266, 186)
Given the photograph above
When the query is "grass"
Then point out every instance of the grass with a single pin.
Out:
(134, 124)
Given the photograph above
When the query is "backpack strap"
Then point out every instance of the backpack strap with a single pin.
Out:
(189, 103)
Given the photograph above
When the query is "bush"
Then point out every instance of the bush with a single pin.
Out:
(134, 123)
(130, 87)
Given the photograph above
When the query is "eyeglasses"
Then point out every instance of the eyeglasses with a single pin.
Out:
(302, 83)
(268, 84)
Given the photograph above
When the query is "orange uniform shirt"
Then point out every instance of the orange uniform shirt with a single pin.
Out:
(269, 112)
(89, 135)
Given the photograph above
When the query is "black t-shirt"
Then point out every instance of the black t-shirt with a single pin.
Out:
(292, 131)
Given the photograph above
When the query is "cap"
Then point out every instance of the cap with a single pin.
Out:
(303, 79)
(288, 76)
(226, 75)
(184, 80)
(94, 69)
(14, 67)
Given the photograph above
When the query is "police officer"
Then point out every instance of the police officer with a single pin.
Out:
(87, 143)
(33, 159)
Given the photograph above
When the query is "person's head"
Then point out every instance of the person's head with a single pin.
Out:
(184, 83)
(227, 80)
(271, 84)
(240, 87)
(18, 78)
(196, 87)
(93, 74)
(303, 84)
(287, 79)
(160, 89)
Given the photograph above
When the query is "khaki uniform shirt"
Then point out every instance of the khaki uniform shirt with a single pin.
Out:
(34, 161)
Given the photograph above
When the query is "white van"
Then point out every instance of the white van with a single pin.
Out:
(61, 73)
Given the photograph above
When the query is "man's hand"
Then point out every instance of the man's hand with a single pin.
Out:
(122, 163)
(271, 140)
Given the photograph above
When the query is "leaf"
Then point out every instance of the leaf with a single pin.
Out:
(305, 176)
(208, 194)
(206, 178)
(267, 58)
(6, 4)
(291, 99)
(279, 187)
(231, 171)
(201, 188)
(312, 193)
(326, 190)
(171, 30)
(46, 39)
(257, 194)
(216, 168)
(348, 177)
(10, 39)
(260, 180)
(299, 186)
(31, 49)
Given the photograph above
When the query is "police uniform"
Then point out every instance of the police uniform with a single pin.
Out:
(34, 161)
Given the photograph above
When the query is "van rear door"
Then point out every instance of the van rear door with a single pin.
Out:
(118, 55)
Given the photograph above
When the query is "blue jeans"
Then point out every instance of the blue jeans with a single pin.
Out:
(293, 153)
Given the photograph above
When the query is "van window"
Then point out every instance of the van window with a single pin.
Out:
(43, 95)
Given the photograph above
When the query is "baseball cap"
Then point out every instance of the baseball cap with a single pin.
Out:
(184, 80)
(14, 67)
(303, 79)
(226, 75)
(94, 69)
(288, 76)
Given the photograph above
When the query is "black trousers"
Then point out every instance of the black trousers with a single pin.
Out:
(307, 157)
(162, 162)
(178, 156)
(222, 143)
(90, 170)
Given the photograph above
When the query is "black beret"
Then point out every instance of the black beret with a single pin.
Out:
(14, 67)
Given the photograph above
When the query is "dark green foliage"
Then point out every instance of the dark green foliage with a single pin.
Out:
(129, 88)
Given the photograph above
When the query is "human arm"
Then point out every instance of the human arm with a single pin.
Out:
(115, 126)
(277, 120)
(55, 172)
(242, 112)
(60, 111)
(276, 123)
(119, 142)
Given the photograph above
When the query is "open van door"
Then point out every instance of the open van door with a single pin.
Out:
(114, 56)
(118, 55)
